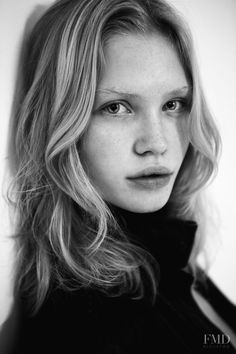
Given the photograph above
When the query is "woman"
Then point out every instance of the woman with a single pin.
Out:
(114, 145)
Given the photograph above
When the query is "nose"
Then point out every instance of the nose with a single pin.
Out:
(151, 138)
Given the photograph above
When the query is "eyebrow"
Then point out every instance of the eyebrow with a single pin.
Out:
(120, 93)
(175, 92)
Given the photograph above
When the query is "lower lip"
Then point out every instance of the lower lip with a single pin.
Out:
(150, 183)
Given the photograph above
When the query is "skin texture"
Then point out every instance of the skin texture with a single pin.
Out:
(139, 121)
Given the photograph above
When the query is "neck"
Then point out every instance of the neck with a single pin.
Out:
(168, 239)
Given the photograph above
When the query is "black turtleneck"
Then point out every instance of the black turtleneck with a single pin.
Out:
(88, 321)
(169, 240)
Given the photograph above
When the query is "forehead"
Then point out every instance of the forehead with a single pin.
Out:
(138, 62)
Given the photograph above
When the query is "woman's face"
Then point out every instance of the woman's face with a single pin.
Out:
(137, 136)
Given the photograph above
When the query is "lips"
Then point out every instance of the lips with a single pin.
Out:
(151, 178)
(152, 172)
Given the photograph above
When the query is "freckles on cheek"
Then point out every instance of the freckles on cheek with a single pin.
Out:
(105, 143)
(109, 137)
(100, 146)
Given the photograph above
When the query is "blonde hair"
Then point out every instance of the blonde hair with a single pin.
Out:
(66, 233)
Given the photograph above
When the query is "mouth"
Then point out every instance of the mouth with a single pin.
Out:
(151, 178)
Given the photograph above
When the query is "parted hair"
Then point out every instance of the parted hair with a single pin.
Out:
(66, 234)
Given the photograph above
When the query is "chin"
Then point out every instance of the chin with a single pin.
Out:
(144, 206)
(145, 209)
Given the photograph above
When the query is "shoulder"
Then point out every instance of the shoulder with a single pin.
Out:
(65, 318)
(88, 318)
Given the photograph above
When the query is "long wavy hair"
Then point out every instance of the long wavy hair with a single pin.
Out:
(66, 234)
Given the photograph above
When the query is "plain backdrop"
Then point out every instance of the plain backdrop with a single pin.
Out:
(213, 24)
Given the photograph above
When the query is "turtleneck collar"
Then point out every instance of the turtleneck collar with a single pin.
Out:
(169, 240)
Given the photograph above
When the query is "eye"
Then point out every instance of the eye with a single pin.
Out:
(176, 105)
(116, 108)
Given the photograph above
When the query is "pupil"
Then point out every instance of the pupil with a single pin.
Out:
(114, 107)
(171, 105)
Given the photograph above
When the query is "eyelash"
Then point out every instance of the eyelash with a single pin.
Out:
(118, 103)
(184, 102)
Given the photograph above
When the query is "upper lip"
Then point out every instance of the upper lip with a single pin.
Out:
(153, 170)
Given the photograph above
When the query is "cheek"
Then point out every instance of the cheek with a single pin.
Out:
(182, 136)
(178, 141)
(102, 148)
